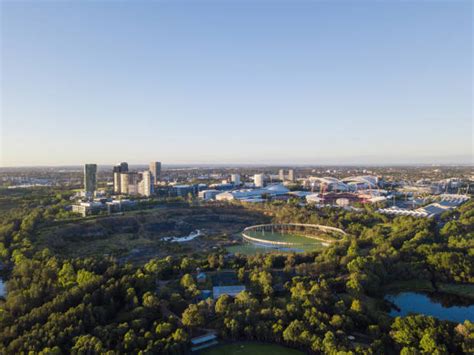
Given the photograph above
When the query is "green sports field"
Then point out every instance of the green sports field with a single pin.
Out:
(249, 348)
(283, 237)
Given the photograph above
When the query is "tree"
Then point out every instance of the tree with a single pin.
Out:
(87, 344)
(163, 329)
(356, 306)
(192, 316)
(187, 281)
(293, 331)
(241, 274)
(329, 342)
(67, 276)
(85, 277)
(151, 301)
(222, 304)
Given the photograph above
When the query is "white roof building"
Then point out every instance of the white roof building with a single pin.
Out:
(208, 194)
(246, 194)
(447, 202)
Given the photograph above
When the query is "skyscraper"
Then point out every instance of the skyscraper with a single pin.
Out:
(281, 174)
(258, 180)
(118, 169)
(90, 179)
(133, 179)
(155, 169)
(291, 175)
(124, 183)
(145, 186)
(235, 179)
(123, 167)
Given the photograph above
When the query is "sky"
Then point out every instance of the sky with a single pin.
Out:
(272, 82)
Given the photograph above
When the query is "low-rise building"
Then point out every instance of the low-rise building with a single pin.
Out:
(207, 195)
(203, 341)
(185, 190)
(247, 194)
(445, 203)
(146, 184)
(87, 208)
(233, 291)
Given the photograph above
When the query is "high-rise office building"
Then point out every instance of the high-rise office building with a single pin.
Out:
(235, 179)
(124, 183)
(118, 170)
(281, 174)
(258, 180)
(124, 167)
(133, 179)
(145, 186)
(90, 179)
(155, 169)
(291, 175)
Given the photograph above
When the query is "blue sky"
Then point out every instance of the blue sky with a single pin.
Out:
(236, 81)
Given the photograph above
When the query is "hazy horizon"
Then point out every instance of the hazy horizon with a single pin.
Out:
(203, 82)
(247, 164)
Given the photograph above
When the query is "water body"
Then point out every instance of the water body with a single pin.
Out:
(2, 288)
(440, 305)
(187, 238)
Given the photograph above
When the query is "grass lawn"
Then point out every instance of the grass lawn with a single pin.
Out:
(253, 249)
(283, 237)
(249, 348)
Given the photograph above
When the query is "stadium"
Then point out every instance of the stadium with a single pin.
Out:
(293, 236)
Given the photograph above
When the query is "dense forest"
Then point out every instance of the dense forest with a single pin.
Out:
(329, 301)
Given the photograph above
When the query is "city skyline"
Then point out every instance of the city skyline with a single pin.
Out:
(239, 83)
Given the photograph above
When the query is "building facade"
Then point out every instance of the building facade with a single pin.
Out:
(90, 179)
(235, 179)
(133, 180)
(155, 169)
(124, 167)
(281, 174)
(291, 175)
(118, 170)
(258, 180)
(124, 183)
(145, 186)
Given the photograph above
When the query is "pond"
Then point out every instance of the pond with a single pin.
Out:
(440, 305)
(2, 288)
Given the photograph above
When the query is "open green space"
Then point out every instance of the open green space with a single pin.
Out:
(250, 348)
(315, 302)
(139, 235)
(248, 248)
(282, 237)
